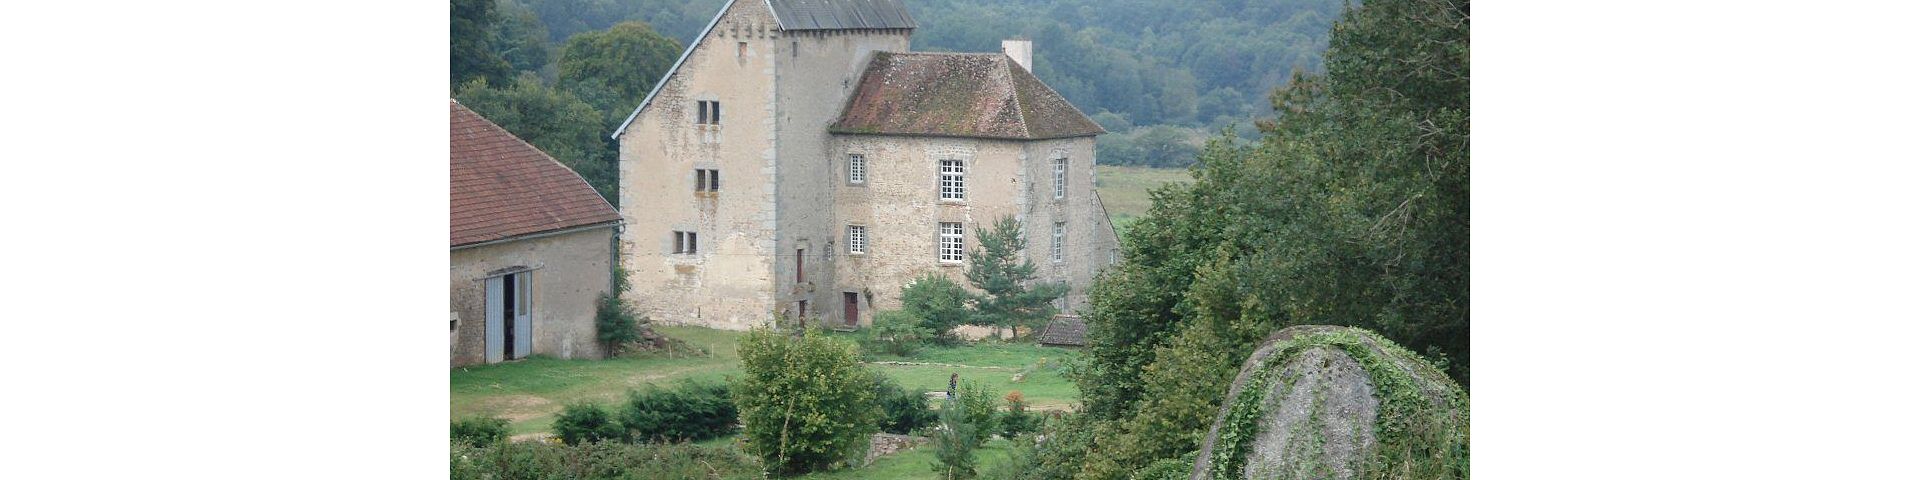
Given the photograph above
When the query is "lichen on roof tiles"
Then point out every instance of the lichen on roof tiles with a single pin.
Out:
(982, 95)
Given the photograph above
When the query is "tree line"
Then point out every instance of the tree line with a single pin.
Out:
(1159, 75)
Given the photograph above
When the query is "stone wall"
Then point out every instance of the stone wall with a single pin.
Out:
(569, 271)
(729, 282)
(816, 74)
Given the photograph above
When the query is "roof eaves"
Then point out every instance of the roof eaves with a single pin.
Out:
(676, 67)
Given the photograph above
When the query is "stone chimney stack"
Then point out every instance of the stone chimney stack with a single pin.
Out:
(1021, 49)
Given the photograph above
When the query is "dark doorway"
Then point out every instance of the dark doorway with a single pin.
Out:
(803, 309)
(512, 308)
(853, 308)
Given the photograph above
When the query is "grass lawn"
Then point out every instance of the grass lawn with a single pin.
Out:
(529, 393)
(916, 464)
(1124, 189)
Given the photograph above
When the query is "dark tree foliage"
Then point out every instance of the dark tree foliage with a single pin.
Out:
(1157, 62)
(554, 120)
(471, 46)
(939, 304)
(904, 411)
(1011, 298)
(624, 60)
(1351, 208)
(520, 38)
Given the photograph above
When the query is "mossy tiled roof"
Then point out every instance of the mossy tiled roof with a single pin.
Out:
(980, 95)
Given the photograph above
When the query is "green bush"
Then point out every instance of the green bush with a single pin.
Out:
(977, 405)
(614, 319)
(954, 442)
(690, 411)
(601, 461)
(896, 332)
(1017, 420)
(805, 402)
(585, 422)
(480, 431)
(938, 303)
(1167, 468)
(903, 411)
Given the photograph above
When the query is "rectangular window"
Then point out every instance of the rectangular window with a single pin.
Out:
(950, 242)
(686, 242)
(706, 180)
(856, 239)
(856, 169)
(1059, 178)
(709, 113)
(953, 180)
(1059, 241)
(742, 50)
(800, 266)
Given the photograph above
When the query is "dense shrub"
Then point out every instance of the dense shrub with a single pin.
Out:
(601, 461)
(1017, 420)
(805, 402)
(585, 422)
(689, 411)
(896, 332)
(614, 319)
(977, 405)
(938, 303)
(903, 411)
(480, 431)
(954, 442)
(1167, 469)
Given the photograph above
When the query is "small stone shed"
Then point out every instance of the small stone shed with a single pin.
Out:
(531, 248)
(1065, 331)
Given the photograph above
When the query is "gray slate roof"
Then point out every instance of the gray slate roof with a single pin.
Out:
(840, 14)
(1065, 330)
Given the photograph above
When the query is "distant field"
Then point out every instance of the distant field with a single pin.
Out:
(1124, 189)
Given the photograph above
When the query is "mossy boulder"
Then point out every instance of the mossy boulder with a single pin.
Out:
(1325, 402)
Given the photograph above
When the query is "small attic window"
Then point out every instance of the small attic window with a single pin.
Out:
(743, 50)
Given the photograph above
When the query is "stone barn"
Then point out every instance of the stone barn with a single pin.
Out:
(798, 158)
(532, 247)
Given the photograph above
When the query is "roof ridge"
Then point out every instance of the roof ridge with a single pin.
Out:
(1019, 108)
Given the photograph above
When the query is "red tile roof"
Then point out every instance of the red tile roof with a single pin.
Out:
(981, 95)
(504, 187)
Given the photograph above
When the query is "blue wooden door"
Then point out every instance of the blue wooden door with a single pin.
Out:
(522, 315)
(496, 319)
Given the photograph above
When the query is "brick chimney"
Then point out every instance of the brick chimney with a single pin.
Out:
(1021, 49)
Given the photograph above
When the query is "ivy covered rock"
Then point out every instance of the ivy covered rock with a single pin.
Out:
(1325, 402)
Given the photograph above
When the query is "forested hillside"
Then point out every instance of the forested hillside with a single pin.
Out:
(1160, 75)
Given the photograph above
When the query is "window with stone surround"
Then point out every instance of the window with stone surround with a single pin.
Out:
(857, 169)
(1059, 241)
(686, 242)
(709, 113)
(706, 180)
(856, 239)
(953, 180)
(1060, 178)
(950, 242)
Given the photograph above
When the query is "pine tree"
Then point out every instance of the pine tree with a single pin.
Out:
(998, 270)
